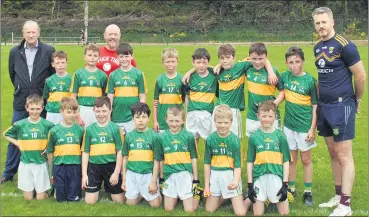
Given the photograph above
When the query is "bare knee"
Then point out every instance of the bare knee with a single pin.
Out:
(284, 212)
(156, 202)
(28, 198)
(239, 213)
(306, 160)
(90, 201)
(168, 208)
(210, 209)
(131, 202)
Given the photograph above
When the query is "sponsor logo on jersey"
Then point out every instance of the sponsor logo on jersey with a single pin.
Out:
(140, 140)
(325, 47)
(61, 83)
(268, 140)
(94, 140)
(185, 147)
(25, 135)
(166, 149)
(321, 63)
(318, 50)
(215, 150)
(91, 77)
(295, 82)
(171, 84)
(126, 77)
(330, 50)
(83, 82)
(175, 141)
(103, 134)
(257, 74)
(106, 66)
(325, 70)
(34, 129)
(69, 134)
(60, 140)
(131, 145)
(259, 146)
(222, 144)
(117, 83)
(203, 84)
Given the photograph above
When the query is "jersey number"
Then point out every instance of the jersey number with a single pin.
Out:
(91, 82)
(170, 89)
(34, 135)
(139, 145)
(222, 150)
(69, 139)
(102, 139)
(293, 87)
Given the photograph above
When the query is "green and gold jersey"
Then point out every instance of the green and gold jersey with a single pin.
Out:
(300, 94)
(88, 86)
(55, 89)
(260, 90)
(268, 152)
(231, 85)
(126, 87)
(201, 92)
(222, 153)
(32, 139)
(102, 143)
(169, 92)
(177, 151)
(140, 147)
(65, 144)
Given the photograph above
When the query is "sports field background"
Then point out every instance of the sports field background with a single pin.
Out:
(149, 61)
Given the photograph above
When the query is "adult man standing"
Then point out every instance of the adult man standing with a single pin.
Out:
(108, 61)
(337, 59)
(29, 66)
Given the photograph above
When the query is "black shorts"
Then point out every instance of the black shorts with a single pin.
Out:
(97, 173)
(67, 182)
(337, 120)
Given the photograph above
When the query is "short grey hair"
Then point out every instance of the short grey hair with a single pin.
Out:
(323, 10)
(28, 22)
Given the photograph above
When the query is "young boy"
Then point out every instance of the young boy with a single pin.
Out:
(201, 92)
(102, 157)
(178, 163)
(57, 86)
(88, 83)
(140, 172)
(64, 153)
(259, 89)
(126, 87)
(222, 164)
(268, 159)
(30, 136)
(169, 90)
(300, 118)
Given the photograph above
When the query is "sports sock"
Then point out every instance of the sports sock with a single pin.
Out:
(307, 186)
(291, 185)
(345, 200)
(338, 189)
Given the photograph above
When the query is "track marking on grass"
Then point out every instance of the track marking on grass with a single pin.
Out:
(11, 194)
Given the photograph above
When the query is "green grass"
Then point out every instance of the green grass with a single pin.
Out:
(149, 60)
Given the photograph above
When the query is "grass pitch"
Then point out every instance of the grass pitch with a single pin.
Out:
(149, 60)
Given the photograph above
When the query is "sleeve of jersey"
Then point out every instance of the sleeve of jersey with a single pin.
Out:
(157, 90)
(110, 88)
(207, 156)
(119, 138)
(313, 92)
(125, 146)
(192, 146)
(50, 143)
(350, 54)
(158, 149)
(11, 131)
(104, 82)
(251, 152)
(45, 93)
(245, 65)
(86, 143)
(237, 154)
(50, 125)
(142, 86)
(285, 148)
(75, 83)
(280, 85)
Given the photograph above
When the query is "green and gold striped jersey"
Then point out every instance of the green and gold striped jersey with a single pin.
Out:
(169, 92)
(201, 92)
(88, 86)
(300, 94)
(232, 84)
(126, 87)
(140, 149)
(102, 143)
(177, 151)
(32, 139)
(260, 90)
(222, 153)
(268, 152)
(65, 144)
(56, 87)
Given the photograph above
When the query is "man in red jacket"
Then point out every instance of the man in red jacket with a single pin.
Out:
(108, 61)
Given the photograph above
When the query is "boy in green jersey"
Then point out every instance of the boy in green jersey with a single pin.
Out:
(88, 83)
(169, 90)
(126, 87)
(64, 153)
(300, 118)
(30, 136)
(102, 157)
(178, 163)
(268, 159)
(259, 89)
(201, 91)
(140, 172)
(222, 164)
(57, 86)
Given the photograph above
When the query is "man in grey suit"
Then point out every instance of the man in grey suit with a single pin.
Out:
(29, 66)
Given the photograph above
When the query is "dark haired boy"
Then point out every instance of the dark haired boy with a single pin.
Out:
(126, 87)
(140, 172)
(101, 157)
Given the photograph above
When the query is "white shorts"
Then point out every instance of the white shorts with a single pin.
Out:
(296, 140)
(179, 185)
(219, 180)
(55, 118)
(267, 186)
(253, 125)
(138, 184)
(236, 127)
(33, 177)
(199, 123)
(87, 114)
(127, 127)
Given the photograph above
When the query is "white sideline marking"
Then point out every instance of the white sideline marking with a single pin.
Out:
(11, 194)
